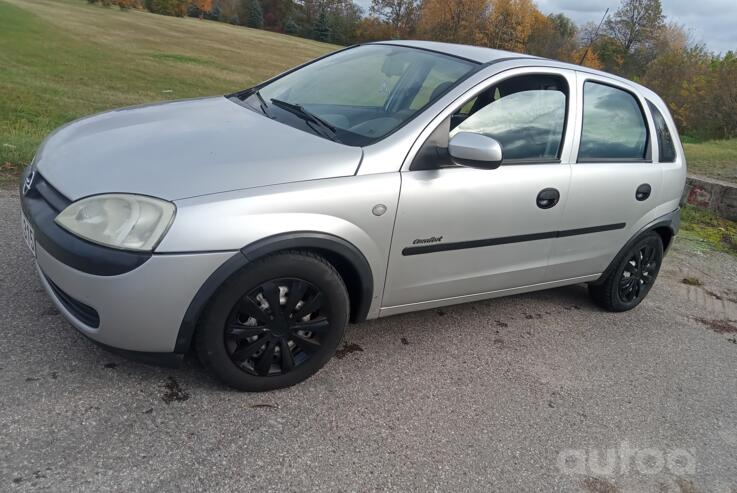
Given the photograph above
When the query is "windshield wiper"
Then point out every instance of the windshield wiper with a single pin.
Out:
(262, 102)
(299, 110)
(254, 91)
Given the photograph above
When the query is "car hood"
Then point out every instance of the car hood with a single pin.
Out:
(182, 149)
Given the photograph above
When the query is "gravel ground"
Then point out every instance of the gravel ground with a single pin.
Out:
(539, 392)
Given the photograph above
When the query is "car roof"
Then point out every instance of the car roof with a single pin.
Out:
(483, 55)
(473, 53)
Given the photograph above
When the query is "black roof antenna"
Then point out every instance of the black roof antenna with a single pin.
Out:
(593, 38)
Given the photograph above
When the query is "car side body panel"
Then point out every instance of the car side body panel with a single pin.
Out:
(604, 192)
(343, 207)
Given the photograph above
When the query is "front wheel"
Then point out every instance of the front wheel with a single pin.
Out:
(275, 323)
(633, 276)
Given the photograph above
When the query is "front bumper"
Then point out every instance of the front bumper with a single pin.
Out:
(141, 310)
(123, 300)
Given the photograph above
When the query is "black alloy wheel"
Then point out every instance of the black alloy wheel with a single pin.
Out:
(638, 273)
(276, 327)
(275, 322)
(631, 275)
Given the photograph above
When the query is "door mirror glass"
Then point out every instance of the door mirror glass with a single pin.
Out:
(475, 150)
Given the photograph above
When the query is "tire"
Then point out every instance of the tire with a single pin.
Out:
(253, 348)
(632, 277)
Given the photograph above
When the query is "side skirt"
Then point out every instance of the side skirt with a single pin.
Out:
(425, 305)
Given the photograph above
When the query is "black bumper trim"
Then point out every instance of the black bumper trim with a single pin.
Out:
(167, 360)
(41, 204)
(84, 313)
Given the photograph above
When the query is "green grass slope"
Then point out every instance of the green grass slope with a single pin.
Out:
(63, 59)
(714, 158)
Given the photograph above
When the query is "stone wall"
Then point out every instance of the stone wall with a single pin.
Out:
(715, 195)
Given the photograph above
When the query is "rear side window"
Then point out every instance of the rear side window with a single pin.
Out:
(666, 148)
(614, 128)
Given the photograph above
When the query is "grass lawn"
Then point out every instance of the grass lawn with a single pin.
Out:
(63, 59)
(714, 158)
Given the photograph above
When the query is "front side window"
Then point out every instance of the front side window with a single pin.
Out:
(527, 124)
(366, 92)
(614, 128)
(525, 114)
(666, 148)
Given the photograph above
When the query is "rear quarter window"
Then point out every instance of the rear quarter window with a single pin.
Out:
(666, 147)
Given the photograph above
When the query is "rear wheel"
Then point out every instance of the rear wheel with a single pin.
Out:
(633, 276)
(277, 322)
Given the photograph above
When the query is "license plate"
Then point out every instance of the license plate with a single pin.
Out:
(28, 234)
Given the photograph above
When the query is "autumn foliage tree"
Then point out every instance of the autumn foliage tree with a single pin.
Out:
(202, 6)
(401, 15)
(462, 21)
(511, 22)
(176, 8)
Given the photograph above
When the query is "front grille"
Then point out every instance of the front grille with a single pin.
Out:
(44, 190)
(84, 313)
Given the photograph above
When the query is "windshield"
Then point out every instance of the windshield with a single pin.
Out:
(363, 93)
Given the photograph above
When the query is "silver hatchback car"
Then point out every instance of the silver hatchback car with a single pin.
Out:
(380, 179)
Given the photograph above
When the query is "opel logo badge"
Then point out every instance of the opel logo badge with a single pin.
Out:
(28, 182)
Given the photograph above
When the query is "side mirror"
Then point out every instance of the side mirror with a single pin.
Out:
(475, 150)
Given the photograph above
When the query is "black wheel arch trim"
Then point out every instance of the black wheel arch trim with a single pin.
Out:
(672, 221)
(284, 241)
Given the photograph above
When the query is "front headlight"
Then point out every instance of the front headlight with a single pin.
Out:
(128, 222)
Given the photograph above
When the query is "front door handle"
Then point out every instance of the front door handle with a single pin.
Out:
(547, 198)
(643, 192)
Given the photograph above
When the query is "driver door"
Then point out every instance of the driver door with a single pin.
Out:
(463, 233)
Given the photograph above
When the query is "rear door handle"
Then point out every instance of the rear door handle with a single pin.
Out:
(547, 198)
(643, 192)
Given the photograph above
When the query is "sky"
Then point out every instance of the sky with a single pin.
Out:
(712, 22)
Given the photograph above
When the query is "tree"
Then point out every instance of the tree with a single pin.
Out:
(177, 8)
(276, 13)
(553, 37)
(373, 29)
(343, 19)
(321, 28)
(126, 4)
(678, 75)
(632, 32)
(200, 8)
(636, 23)
(511, 22)
(229, 11)
(401, 15)
(460, 21)
(291, 26)
(251, 14)
(720, 118)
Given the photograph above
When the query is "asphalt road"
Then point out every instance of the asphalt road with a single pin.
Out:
(527, 393)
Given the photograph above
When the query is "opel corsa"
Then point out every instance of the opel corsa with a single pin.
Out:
(381, 179)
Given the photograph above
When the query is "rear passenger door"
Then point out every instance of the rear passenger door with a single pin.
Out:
(615, 183)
